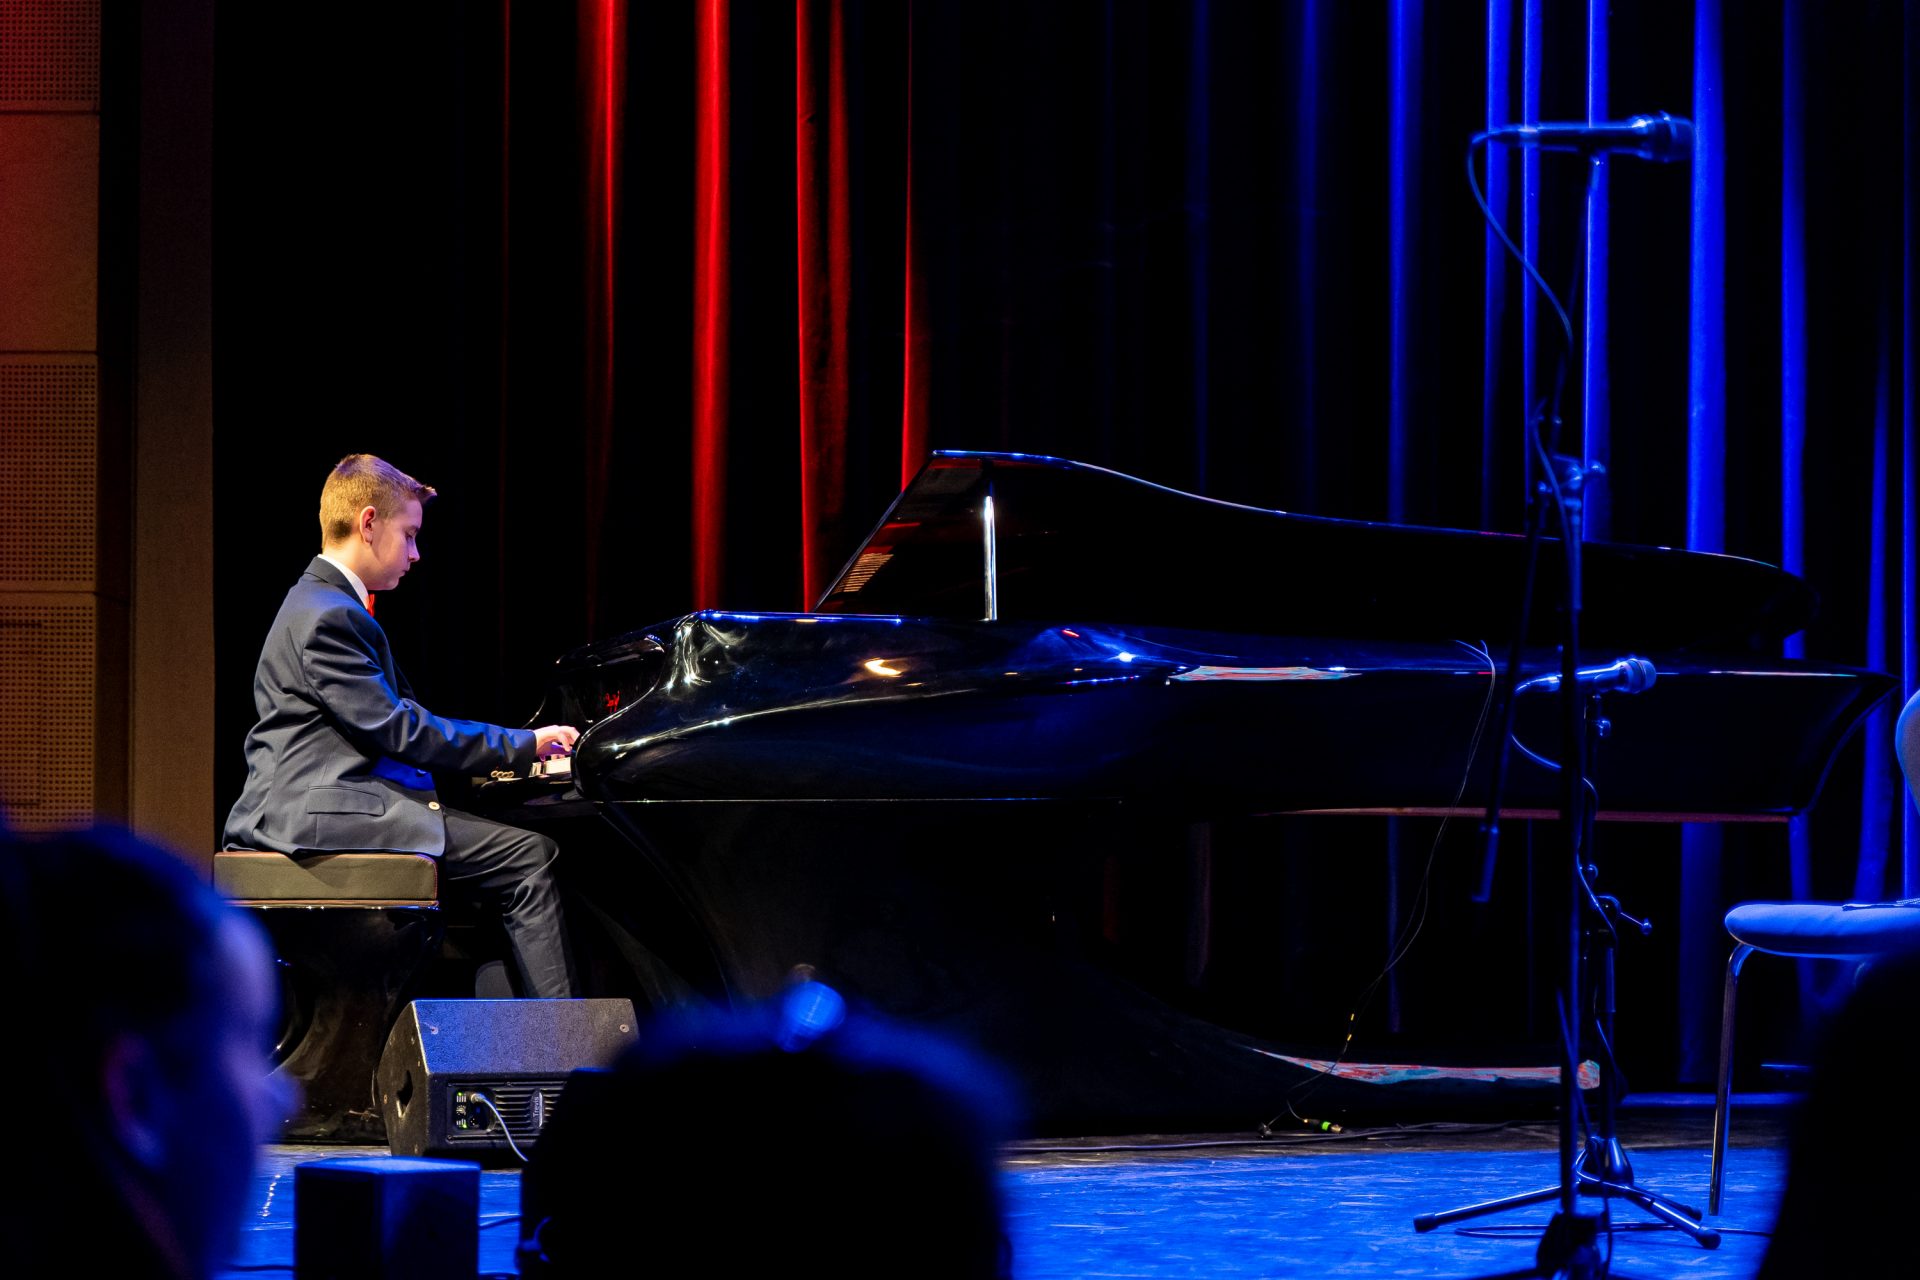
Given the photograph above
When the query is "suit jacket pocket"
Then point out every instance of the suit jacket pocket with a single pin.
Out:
(345, 800)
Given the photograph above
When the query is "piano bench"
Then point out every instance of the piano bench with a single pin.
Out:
(351, 932)
(255, 878)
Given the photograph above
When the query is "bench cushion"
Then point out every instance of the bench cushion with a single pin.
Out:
(1827, 929)
(253, 876)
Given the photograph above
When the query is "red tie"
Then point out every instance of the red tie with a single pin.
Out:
(369, 602)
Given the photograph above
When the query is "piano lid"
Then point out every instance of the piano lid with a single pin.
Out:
(1067, 540)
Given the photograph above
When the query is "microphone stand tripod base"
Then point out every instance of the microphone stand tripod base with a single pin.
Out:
(1567, 1248)
(1570, 1247)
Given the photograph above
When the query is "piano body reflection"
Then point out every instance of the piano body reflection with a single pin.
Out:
(911, 790)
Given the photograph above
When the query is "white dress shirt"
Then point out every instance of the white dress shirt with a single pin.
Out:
(353, 579)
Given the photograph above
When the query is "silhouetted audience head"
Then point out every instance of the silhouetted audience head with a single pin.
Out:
(1851, 1176)
(143, 1013)
(790, 1139)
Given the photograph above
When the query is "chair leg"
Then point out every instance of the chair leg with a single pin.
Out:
(1723, 1095)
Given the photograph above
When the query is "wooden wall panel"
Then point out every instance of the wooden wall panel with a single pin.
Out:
(63, 679)
(49, 225)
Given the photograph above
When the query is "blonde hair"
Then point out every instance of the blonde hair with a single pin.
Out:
(359, 481)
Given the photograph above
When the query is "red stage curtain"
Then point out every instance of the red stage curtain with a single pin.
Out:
(603, 79)
(823, 214)
(916, 363)
(712, 214)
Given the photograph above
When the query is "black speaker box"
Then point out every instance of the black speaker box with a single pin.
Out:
(471, 1079)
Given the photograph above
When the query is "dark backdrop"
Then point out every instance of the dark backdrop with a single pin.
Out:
(1153, 236)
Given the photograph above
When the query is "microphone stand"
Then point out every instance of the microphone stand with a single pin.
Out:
(1570, 1246)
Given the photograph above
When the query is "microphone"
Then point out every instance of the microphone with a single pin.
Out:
(1659, 136)
(1628, 675)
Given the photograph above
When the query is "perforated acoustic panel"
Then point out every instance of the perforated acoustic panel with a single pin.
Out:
(46, 711)
(49, 55)
(49, 414)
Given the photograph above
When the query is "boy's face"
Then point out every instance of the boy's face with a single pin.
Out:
(392, 545)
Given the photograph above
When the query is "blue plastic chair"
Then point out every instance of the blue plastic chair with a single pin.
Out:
(1861, 932)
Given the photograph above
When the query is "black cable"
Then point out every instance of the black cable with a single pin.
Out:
(1417, 916)
(1553, 299)
(504, 1131)
(1423, 896)
(1416, 920)
(1536, 518)
(1302, 1139)
(1279, 1139)
(1531, 754)
(1479, 198)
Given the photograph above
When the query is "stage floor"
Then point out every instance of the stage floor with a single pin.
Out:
(1225, 1206)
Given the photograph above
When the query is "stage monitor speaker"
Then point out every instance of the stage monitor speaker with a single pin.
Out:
(470, 1079)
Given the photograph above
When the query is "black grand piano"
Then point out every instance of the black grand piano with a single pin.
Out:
(909, 791)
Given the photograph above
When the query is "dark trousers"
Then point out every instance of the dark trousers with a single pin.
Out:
(513, 868)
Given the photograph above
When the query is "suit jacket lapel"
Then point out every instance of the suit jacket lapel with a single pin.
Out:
(327, 572)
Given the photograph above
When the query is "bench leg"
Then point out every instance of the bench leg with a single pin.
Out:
(349, 969)
(1723, 1095)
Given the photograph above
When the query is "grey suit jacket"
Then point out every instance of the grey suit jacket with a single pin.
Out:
(342, 755)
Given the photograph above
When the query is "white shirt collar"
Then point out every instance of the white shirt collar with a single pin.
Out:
(353, 579)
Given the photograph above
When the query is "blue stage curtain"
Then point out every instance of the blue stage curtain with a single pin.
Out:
(1909, 570)
(1702, 895)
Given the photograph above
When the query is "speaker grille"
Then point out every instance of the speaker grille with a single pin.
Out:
(526, 1106)
(47, 712)
(50, 55)
(49, 411)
